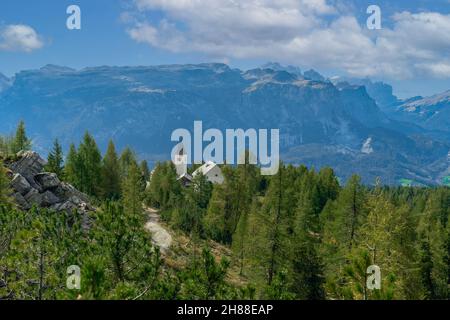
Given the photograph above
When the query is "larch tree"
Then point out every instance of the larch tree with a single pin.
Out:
(72, 168)
(90, 165)
(145, 170)
(127, 157)
(132, 192)
(434, 252)
(341, 220)
(111, 177)
(308, 279)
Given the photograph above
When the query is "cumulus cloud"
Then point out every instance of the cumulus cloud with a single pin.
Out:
(305, 32)
(19, 38)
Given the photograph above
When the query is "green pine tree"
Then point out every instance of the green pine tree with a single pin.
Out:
(145, 170)
(341, 220)
(55, 160)
(132, 191)
(111, 174)
(90, 158)
(433, 235)
(127, 158)
(72, 169)
(308, 278)
(165, 191)
(21, 141)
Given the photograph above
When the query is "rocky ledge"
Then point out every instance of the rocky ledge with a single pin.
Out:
(31, 186)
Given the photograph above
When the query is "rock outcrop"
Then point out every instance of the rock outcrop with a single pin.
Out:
(32, 186)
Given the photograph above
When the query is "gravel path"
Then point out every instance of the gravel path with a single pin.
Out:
(160, 236)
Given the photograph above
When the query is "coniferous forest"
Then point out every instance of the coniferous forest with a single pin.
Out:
(299, 234)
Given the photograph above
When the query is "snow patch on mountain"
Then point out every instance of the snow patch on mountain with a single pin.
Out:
(441, 98)
(367, 146)
(144, 89)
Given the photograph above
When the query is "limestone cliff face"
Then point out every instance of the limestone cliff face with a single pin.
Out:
(321, 123)
(32, 186)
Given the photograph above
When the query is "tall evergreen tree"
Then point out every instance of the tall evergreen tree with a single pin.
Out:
(196, 198)
(55, 160)
(72, 168)
(434, 249)
(341, 220)
(127, 158)
(145, 170)
(111, 174)
(242, 239)
(132, 191)
(279, 207)
(215, 221)
(165, 191)
(90, 166)
(381, 236)
(308, 278)
(21, 141)
(328, 186)
(223, 212)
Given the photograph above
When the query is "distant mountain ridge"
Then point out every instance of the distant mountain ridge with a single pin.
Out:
(431, 113)
(321, 123)
(381, 92)
(5, 82)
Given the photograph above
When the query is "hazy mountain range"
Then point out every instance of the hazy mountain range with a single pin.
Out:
(353, 125)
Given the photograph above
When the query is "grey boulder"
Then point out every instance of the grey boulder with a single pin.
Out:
(33, 197)
(20, 200)
(33, 187)
(47, 181)
(20, 184)
(30, 164)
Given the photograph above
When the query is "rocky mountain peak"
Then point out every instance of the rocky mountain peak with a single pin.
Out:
(313, 75)
(56, 69)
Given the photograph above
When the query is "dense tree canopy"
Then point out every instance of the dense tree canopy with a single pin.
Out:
(296, 235)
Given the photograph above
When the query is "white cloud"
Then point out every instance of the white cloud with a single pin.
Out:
(305, 32)
(19, 38)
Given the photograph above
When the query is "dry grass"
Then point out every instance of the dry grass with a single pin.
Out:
(184, 249)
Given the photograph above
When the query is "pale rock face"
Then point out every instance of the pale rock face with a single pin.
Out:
(30, 164)
(142, 106)
(20, 184)
(367, 146)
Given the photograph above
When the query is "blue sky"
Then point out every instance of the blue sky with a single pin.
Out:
(412, 51)
(101, 41)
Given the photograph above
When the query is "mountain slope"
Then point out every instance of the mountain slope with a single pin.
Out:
(432, 113)
(4, 82)
(320, 123)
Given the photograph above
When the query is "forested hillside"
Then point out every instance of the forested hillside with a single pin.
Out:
(295, 235)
